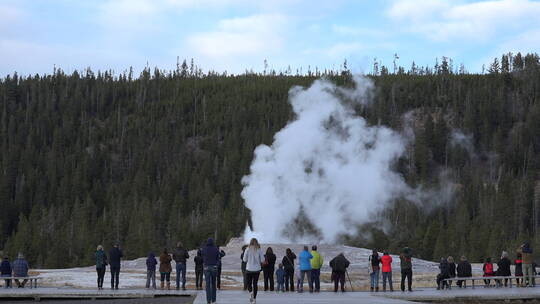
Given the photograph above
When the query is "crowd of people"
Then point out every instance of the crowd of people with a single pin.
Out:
(524, 271)
(289, 276)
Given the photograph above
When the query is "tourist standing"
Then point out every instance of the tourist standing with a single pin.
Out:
(218, 278)
(518, 272)
(527, 255)
(268, 267)
(280, 275)
(20, 269)
(254, 258)
(386, 262)
(339, 266)
(5, 271)
(304, 259)
(316, 264)
(165, 268)
(151, 263)
(374, 269)
(464, 270)
(101, 265)
(288, 265)
(243, 266)
(210, 255)
(199, 267)
(406, 268)
(180, 256)
(115, 256)
(503, 268)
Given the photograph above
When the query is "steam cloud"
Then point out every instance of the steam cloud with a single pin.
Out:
(326, 170)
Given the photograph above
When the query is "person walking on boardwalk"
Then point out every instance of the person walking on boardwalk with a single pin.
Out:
(210, 255)
(254, 258)
(218, 278)
(20, 269)
(316, 264)
(5, 271)
(464, 270)
(165, 268)
(304, 259)
(406, 268)
(527, 256)
(115, 256)
(101, 265)
(199, 268)
(518, 271)
(386, 262)
(374, 269)
(339, 266)
(268, 267)
(180, 256)
(288, 265)
(151, 263)
(243, 266)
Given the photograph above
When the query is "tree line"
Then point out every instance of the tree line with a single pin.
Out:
(93, 158)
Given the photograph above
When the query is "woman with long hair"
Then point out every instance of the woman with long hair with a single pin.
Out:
(268, 269)
(254, 258)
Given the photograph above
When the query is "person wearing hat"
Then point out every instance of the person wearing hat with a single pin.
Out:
(20, 269)
(5, 271)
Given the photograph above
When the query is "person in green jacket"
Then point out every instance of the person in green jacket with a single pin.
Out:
(316, 264)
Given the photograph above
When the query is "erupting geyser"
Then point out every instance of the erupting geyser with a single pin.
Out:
(326, 170)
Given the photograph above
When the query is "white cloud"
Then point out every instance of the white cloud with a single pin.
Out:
(253, 35)
(445, 20)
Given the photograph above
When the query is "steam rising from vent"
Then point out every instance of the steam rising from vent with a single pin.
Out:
(326, 171)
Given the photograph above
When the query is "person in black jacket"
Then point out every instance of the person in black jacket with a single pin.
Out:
(444, 274)
(198, 269)
(451, 270)
(218, 278)
(464, 270)
(339, 266)
(503, 269)
(243, 267)
(115, 255)
(288, 265)
(268, 269)
(180, 256)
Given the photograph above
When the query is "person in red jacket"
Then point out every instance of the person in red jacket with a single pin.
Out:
(386, 262)
(488, 271)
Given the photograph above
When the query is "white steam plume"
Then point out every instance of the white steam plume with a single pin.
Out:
(327, 164)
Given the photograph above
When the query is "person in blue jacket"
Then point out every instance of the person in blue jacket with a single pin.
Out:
(211, 258)
(151, 263)
(304, 260)
(5, 271)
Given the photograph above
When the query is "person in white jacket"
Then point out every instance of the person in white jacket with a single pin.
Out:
(254, 257)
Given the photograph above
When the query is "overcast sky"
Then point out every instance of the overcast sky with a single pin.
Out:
(235, 35)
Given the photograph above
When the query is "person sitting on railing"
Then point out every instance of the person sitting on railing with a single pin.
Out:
(464, 270)
(443, 275)
(20, 269)
(488, 271)
(5, 271)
